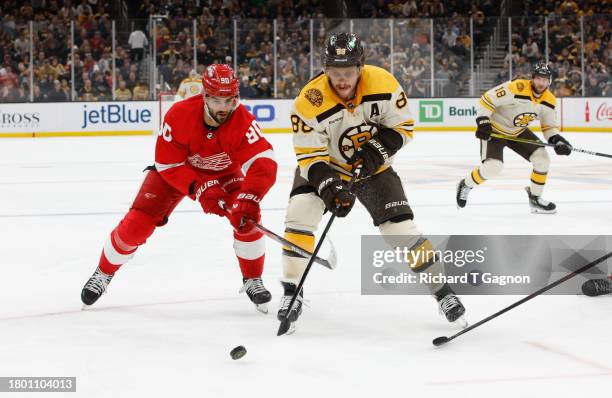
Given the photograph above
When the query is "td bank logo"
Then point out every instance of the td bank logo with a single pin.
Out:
(431, 111)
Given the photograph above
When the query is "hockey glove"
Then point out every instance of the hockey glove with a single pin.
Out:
(484, 130)
(243, 209)
(336, 196)
(209, 194)
(562, 146)
(376, 151)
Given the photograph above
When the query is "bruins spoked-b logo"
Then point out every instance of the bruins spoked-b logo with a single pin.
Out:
(523, 119)
(314, 96)
(353, 138)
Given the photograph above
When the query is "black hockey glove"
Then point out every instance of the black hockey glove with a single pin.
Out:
(484, 130)
(332, 190)
(562, 146)
(376, 151)
(336, 196)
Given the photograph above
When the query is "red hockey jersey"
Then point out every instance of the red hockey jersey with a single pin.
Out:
(188, 152)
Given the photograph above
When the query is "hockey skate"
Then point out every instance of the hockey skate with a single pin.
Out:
(257, 293)
(597, 287)
(296, 310)
(95, 287)
(462, 194)
(539, 205)
(450, 305)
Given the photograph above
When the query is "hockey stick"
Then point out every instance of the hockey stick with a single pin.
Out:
(329, 263)
(540, 143)
(286, 323)
(438, 341)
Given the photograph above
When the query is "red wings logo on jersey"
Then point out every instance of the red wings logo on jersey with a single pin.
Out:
(217, 162)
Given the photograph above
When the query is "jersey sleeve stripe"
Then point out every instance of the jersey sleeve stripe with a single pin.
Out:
(487, 99)
(306, 150)
(163, 167)
(268, 154)
(310, 155)
(305, 163)
(489, 107)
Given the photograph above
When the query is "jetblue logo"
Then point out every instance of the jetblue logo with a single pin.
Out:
(113, 113)
(262, 112)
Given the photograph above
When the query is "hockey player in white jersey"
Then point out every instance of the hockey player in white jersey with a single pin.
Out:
(352, 113)
(190, 86)
(508, 110)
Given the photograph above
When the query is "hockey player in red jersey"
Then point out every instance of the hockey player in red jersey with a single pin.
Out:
(210, 149)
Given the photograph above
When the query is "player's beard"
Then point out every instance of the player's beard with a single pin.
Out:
(537, 90)
(345, 91)
(220, 116)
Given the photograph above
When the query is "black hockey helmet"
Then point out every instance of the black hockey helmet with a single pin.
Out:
(542, 69)
(343, 49)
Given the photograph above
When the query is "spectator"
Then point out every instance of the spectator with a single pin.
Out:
(101, 87)
(263, 88)
(138, 42)
(246, 91)
(141, 91)
(57, 94)
(123, 93)
(87, 92)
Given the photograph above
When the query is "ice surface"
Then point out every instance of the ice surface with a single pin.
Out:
(173, 314)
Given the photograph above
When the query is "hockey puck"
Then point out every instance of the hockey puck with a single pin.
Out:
(238, 352)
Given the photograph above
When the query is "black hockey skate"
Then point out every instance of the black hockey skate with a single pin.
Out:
(450, 305)
(296, 310)
(597, 287)
(539, 205)
(257, 292)
(462, 194)
(95, 287)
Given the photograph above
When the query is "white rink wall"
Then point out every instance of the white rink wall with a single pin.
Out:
(142, 117)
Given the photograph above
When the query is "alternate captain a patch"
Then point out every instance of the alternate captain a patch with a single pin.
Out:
(315, 97)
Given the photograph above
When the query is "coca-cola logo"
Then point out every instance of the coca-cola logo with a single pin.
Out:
(604, 112)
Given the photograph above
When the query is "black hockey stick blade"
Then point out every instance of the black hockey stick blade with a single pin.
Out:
(438, 341)
(283, 327)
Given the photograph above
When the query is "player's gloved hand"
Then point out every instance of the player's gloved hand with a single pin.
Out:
(336, 196)
(209, 194)
(483, 129)
(371, 155)
(562, 146)
(244, 208)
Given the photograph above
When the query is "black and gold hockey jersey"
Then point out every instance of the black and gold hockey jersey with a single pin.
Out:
(328, 129)
(512, 107)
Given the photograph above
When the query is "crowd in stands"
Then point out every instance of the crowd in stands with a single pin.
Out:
(298, 23)
(565, 55)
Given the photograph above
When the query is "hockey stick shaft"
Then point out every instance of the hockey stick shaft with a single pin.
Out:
(534, 294)
(286, 323)
(294, 248)
(540, 143)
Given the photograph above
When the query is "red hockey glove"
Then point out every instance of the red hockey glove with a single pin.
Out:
(209, 194)
(243, 209)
